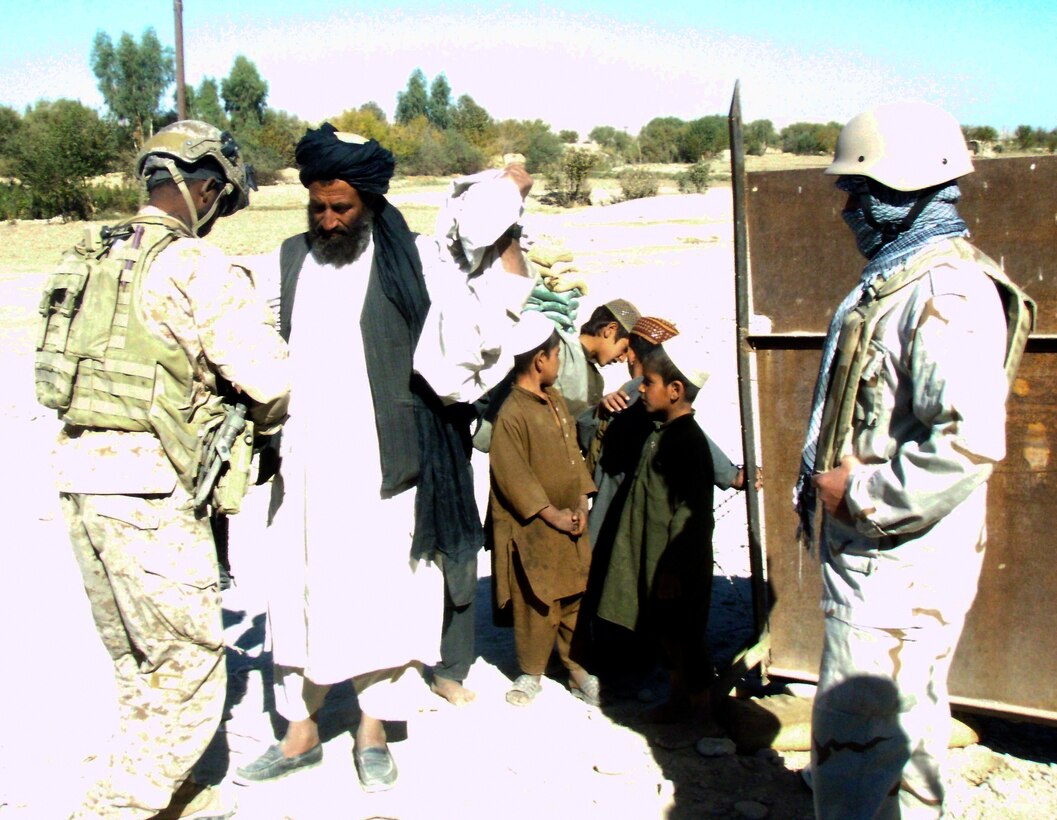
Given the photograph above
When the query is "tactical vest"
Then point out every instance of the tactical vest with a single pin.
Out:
(861, 323)
(99, 365)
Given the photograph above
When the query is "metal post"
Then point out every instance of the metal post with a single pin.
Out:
(743, 299)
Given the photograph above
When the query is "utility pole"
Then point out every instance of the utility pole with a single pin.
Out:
(181, 91)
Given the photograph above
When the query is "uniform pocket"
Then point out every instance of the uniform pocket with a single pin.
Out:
(135, 511)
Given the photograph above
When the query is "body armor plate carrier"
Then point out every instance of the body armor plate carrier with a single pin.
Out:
(860, 324)
(99, 365)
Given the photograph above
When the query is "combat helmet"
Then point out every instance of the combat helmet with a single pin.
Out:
(181, 151)
(907, 146)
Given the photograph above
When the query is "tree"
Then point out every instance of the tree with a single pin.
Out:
(1048, 140)
(413, 102)
(245, 94)
(438, 107)
(132, 79)
(1025, 137)
(61, 145)
(279, 134)
(704, 137)
(540, 146)
(810, 138)
(364, 121)
(10, 126)
(980, 133)
(568, 137)
(759, 136)
(473, 122)
(371, 107)
(204, 104)
(614, 141)
(659, 139)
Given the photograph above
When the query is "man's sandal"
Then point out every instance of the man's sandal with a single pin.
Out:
(523, 690)
(588, 691)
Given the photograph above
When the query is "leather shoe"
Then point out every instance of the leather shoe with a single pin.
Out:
(272, 764)
(375, 768)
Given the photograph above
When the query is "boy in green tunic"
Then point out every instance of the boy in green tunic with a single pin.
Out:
(538, 507)
(659, 581)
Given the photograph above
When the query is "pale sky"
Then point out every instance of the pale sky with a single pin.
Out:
(576, 64)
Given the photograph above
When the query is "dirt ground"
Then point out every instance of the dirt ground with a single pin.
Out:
(672, 256)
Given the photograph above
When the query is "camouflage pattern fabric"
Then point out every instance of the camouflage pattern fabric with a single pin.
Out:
(149, 566)
(881, 722)
(151, 575)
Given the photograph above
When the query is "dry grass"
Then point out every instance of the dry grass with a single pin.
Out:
(278, 212)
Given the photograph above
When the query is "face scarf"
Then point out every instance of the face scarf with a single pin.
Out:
(890, 226)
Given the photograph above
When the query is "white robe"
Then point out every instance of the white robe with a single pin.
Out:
(345, 598)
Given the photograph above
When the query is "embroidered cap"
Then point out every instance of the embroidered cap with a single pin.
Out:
(689, 356)
(654, 329)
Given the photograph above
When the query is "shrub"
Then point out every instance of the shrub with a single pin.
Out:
(810, 138)
(638, 184)
(15, 202)
(568, 183)
(695, 179)
(534, 139)
(60, 145)
(116, 200)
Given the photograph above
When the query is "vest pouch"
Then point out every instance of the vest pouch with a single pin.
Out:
(54, 370)
(91, 328)
(846, 369)
(235, 478)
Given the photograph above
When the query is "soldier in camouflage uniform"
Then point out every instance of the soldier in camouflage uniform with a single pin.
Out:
(907, 425)
(127, 459)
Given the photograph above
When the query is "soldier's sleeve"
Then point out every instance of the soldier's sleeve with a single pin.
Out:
(238, 335)
(959, 394)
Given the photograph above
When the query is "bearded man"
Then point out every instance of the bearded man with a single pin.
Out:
(374, 468)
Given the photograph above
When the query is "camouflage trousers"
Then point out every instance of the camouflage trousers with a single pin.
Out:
(151, 575)
(881, 721)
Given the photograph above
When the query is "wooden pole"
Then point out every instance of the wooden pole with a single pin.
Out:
(181, 90)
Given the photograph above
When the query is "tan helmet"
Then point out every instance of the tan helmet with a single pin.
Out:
(189, 142)
(906, 146)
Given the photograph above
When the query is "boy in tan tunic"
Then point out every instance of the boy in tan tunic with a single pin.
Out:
(538, 504)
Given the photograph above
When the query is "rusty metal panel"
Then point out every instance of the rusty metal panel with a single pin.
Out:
(803, 261)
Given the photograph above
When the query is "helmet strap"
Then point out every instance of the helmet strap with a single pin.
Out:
(192, 212)
(228, 188)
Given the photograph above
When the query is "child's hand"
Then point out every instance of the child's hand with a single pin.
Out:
(580, 517)
(615, 402)
(561, 520)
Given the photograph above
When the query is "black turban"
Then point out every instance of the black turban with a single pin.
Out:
(322, 155)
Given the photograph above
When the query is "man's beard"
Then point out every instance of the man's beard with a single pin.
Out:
(340, 248)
